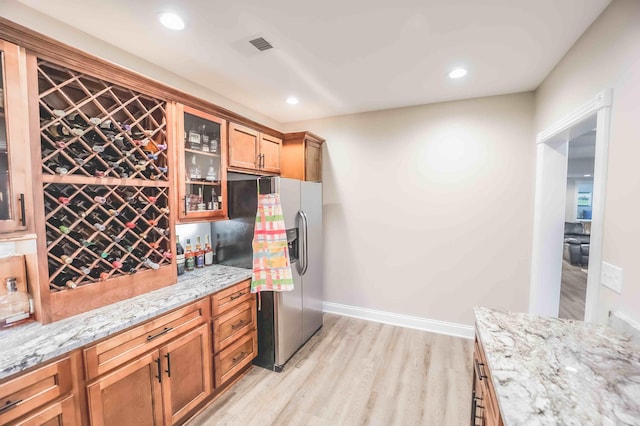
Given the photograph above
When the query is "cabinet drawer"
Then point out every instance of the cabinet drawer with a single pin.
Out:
(232, 359)
(35, 389)
(489, 398)
(229, 326)
(60, 413)
(117, 350)
(230, 297)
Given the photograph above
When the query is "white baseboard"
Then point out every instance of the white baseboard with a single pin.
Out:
(408, 321)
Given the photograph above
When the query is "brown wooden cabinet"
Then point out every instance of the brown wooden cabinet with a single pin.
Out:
(15, 171)
(484, 403)
(302, 156)
(47, 395)
(252, 151)
(235, 338)
(201, 157)
(161, 386)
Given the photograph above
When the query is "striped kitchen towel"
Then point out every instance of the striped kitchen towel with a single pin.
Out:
(271, 266)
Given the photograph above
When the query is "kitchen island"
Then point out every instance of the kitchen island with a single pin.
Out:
(553, 371)
(29, 345)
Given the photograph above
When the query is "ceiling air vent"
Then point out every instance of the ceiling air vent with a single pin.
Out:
(261, 44)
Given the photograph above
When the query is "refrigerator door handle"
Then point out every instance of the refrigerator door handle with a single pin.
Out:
(300, 261)
(305, 251)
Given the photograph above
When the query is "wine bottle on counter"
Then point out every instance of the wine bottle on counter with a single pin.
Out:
(189, 257)
(208, 252)
(199, 254)
(180, 260)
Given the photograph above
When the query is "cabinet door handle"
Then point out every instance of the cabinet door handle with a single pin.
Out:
(474, 411)
(262, 167)
(165, 331)
(235, 296)
(23, 217)
(237, 325)
(159, 365)
(9, 406)
(238, 358)
(480, 370)
(258, 162)
(168, 356)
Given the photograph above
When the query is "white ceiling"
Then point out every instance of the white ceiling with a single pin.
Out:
(342, 56)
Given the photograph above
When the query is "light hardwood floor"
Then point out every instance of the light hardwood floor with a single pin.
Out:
(356, 372)
(573, 291)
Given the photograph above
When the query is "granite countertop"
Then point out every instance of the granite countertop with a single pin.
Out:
(549, 371)
(25, 346)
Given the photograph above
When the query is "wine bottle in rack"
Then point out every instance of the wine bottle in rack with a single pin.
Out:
(83, 262)
(79, 155)
(95, 168)
(99, 272)
(129, 267)
(65, 279)
(189, 257)
(49, 113)
(150, 263)
(61, 193)
(63, 252)
(59, 165)
(77, 120)
(58, 132)
(98, 196)
(62, 222)
(115, 259)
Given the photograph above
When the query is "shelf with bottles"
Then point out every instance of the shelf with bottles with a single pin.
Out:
(202, 165)
(92, 128)
(97, 232)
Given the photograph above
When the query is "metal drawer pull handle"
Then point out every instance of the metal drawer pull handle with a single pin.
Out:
(23, 217)
(168, 370)
(165, 331)
(237, 295)
(237, 325)
(10, 405)
(480, 370)
(239, 357)
(159, 376)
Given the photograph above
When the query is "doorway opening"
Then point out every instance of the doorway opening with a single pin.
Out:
(577, 223)
(550, 212)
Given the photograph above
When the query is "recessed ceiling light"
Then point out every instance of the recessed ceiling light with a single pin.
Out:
(171, 21)
(292, 100)
(457, 73)
(587, 175)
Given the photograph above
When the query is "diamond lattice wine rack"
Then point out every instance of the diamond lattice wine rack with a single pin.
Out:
(105, 170)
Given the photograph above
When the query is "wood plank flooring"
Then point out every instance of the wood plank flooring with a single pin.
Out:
(356, 372)
(573, 291)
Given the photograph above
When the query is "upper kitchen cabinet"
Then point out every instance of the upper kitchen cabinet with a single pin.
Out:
(15, 174)
(252, 151)
(302, 156)
(202, 176)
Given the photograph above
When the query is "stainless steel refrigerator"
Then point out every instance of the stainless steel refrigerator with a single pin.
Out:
(286, 320)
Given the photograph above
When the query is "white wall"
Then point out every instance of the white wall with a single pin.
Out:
(428, 209)
(608, 56)
(30, 18)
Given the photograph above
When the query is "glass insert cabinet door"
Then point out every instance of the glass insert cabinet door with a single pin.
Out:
(203, 166)
(14, 144)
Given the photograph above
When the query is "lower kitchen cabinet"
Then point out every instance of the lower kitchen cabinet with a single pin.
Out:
(157, 388)
(45, 396)
(188, 373)
(484, 403)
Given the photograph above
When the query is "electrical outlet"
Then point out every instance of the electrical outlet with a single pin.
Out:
(611, 276)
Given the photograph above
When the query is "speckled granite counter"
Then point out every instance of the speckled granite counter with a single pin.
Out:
(31, 344)
(549, 371)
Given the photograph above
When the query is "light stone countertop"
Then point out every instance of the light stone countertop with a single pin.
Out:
(549, 371)
(26, 346)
